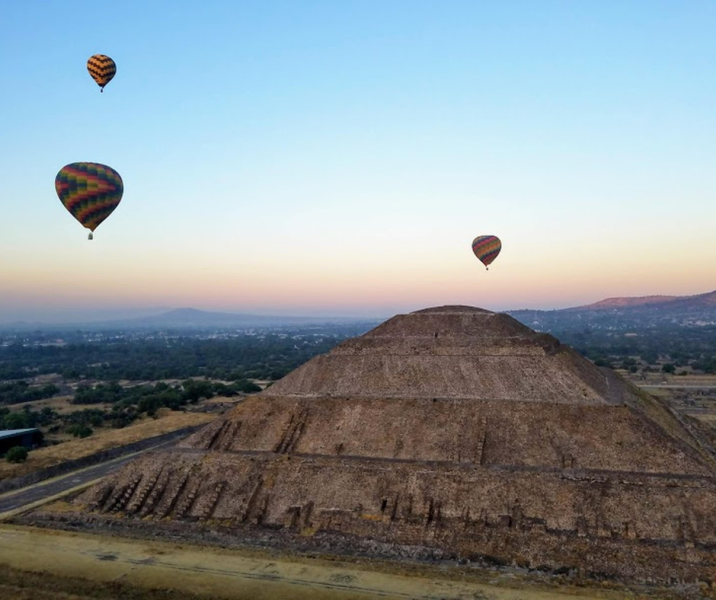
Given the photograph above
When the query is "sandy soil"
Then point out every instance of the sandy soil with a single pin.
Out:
(94, 566)
(103, 440)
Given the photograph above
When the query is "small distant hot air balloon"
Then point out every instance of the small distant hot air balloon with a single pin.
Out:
(486, 248)
(89, 191)
(102, 68)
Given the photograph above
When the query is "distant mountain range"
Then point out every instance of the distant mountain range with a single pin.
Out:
(191, 318)
(626, 313)
(612, 313)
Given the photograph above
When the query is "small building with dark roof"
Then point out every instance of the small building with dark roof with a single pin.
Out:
(29, 438)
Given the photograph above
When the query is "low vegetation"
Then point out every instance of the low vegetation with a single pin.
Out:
(670, 350)
(16, 392)
(103, 439)
(126, 405)
(112, 379)
(155, 356)
(17, 454)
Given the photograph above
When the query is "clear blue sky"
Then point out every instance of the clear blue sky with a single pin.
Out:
(339, 156)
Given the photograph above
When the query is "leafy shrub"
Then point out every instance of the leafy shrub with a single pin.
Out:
(16, 454)
(80, 431)
(15, 420)
(246, 386)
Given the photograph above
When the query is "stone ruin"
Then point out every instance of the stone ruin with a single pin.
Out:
(450, 432)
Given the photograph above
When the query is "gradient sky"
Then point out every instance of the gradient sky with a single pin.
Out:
(338, 157)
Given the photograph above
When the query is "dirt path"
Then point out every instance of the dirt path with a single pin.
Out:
(216, 573)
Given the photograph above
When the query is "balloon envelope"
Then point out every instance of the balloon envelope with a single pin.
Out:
(486, 248)
(102, 68)
(89, 191)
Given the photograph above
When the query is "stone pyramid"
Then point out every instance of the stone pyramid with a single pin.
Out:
(447, 432)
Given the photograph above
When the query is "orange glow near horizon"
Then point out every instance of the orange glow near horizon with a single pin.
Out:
(352, 176)
(366, 284)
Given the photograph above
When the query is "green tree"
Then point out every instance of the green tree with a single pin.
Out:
(246, 386)
(79, 430)
(16, 454)
(17, 420)
(194, 390)
(50, 390)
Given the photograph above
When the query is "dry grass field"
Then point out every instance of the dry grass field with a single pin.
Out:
(693, 394)
(54, 564)
(104, 439)
(61, 404)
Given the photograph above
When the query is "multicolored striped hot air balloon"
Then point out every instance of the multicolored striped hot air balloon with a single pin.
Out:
(89, 191)
(102, 68)
(486, 248)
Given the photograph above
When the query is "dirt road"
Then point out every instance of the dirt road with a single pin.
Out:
(31, 494)
(11, 502)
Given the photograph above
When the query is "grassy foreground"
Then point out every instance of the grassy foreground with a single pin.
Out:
(38, 564)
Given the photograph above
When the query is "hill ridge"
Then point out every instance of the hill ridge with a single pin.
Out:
(708, 298)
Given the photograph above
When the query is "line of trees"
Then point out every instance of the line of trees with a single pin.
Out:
(270, 356)
(15, 392)
(681, 347)
(127, 405)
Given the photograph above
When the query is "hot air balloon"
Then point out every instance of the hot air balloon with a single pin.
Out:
(486, 248)
(102, 68)
(89, 191)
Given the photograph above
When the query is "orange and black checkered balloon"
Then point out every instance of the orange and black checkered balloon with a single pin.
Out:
(102, 69)
(89, 191)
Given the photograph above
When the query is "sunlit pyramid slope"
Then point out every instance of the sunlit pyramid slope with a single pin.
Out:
(454, 352)
(451, 431)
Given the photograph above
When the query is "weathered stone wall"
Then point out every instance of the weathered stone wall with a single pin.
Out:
(467, 511)
(615, 438)
(507, 377)
(466, 354)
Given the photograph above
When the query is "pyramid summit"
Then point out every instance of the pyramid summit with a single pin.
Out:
(447, 432)
(454, 352)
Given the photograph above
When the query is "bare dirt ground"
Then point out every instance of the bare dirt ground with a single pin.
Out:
(37, 563)
(103, 439)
